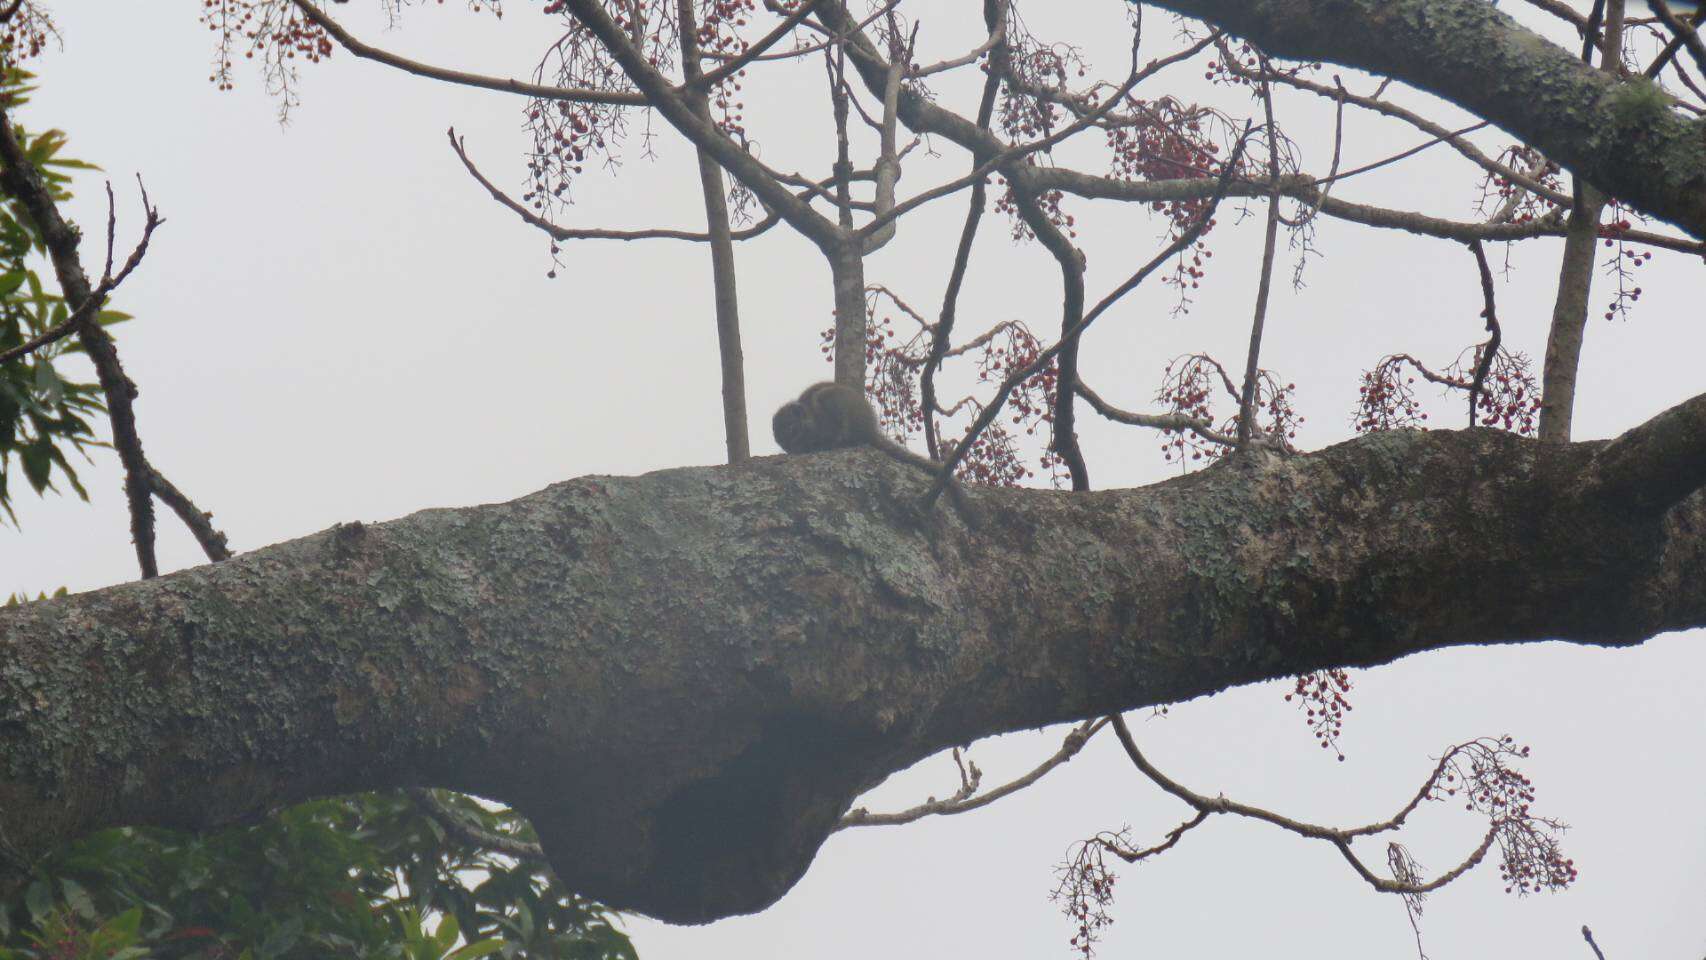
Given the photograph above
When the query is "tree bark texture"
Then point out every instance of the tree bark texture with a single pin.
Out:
(684, 678)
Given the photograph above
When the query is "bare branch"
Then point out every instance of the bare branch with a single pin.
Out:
(1588, 936)
(1247, 401)
(559, 232)
(1183, 240)
(1488, 310)
(755, 51)
(1157, 421)
(941, 338)
(462, 78)
(1452, 138)
(1340, 839)
(199, 522)
(760, 179)
(1683, 30)
(22, 181)
(963, 801)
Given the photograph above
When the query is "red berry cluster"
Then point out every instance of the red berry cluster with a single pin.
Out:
(24, 34)
(273, 30)
(1322, 695)
(1624, 264)
(1497, 191)
(1188, 386)
(1481, 772)
(1509, 399)
(1386, 400)
(1086, 891)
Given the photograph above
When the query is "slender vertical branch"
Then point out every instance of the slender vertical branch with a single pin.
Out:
(942, 337)
(1247, 399)
(1041, 360)
(887, 167)
(846, 263)
(727, 301)
(1488, 310)
(1575, 272)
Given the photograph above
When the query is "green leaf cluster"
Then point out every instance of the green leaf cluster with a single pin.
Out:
(360, 876)
(43, 413)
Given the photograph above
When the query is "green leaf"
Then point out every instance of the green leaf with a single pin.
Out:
(37, 459)
(38, 900)
(48, 383)
(479, 948)
(128, 923)
(78, 898)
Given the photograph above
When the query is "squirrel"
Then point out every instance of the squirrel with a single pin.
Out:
(829, 416)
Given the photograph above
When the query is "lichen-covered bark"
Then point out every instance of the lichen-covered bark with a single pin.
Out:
(683, 678)
(1623, 137)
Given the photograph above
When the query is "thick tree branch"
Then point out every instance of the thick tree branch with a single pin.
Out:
(1621, 136)
(641, 665)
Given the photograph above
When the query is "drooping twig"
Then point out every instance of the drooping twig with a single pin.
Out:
(558, 232)
(542, 91)
(1339, 838)
(1183, 240)
(995, 13)
(1490, 312)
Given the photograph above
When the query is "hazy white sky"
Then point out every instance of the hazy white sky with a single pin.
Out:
(336, 324)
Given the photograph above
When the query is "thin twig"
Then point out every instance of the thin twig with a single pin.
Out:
(1588, 936)
(1173, 835)
(199, 521)
(756, 50)
(1014, 153)
(963, 801)
(559, 232)
(1158, 421)
(1340, 839)
(628, 98)
(1682, 29)
(941, 338)
(1185, 239)
(1491, 347)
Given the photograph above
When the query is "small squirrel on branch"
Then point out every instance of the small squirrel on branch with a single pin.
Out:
(829, 416)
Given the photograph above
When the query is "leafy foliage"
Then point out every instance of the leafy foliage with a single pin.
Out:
(43, 414)
(358, 876)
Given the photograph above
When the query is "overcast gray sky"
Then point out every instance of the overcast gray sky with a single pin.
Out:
(336, 324)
